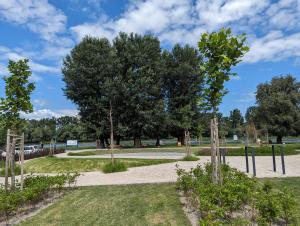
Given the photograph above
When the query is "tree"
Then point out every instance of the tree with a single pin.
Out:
(220, 51)
(91, 76)
(140, 92)
(17, 90)
(278, 106)
(183, 87)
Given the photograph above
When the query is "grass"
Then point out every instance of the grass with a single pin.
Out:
(128, 205)
(118, 166)
(289, 149)
(2, 169)
(292, 183)
(58, 165)
(190, 158)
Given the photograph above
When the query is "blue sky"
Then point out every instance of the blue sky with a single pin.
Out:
(46, 30)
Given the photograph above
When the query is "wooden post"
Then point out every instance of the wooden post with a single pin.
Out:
(12, 165)
(22, 160)
(213, 151)
(111, 133)
(7, 158)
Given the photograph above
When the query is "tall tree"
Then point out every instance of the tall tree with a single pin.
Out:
(278, 106)
(221, 51)
(183, 87)
(140, 79)
(90, 73)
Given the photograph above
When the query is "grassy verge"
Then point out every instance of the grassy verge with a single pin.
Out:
(2, 169)
(58, 165)
(292, 183)
(132, 205)
(289, 149)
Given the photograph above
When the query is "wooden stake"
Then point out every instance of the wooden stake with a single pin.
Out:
(7, 158)
(22, 160)
(12, 165)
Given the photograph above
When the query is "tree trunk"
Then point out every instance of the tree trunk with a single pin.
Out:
(118, 140)
(157, 144)
(179, 142)
(22, 160)
(102, 143)
(98, 146)
(137, 142)
(215, 153)
(279, 139)
(111, 133)
(107, 143)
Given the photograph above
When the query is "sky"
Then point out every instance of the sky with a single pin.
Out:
(44, 31)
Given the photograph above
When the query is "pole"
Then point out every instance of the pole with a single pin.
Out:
(7, 158)
(282, 159)
(246, 156)
(12, 159)
(22, 160)
(223, 153)
(253, 162)
(274, 159)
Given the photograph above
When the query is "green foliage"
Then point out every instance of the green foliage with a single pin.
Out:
(278, 106)
(182, 88)
(117, 166)
(190, 158)
(221, 51)
(35, 189)
(17, 90)
(2, 169)
(238, 196)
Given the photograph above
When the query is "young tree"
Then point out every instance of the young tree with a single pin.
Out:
(183, 86)
(278, 108)
(91, 76)
(17, 90)
(220, 51)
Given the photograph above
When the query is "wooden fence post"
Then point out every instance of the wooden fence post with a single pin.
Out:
(7, 158)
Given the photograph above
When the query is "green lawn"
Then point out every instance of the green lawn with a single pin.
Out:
(290, 149)
(58, 165)
(127, 205)
(148, 204)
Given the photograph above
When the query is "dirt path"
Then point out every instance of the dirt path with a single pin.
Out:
(167, 172)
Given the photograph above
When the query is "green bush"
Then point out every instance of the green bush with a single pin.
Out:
(117, 166)
(2, 169)
(189, 158)
(34, 190)
(238, 195)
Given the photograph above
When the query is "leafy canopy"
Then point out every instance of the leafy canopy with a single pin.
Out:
(221, 51)
(17, 90)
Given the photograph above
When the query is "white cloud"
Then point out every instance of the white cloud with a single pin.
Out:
(183, 21)
(37, 15)
(6, 54)
(246, 98)
(40, 102)
(47, 113)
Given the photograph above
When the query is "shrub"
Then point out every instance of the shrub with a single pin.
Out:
(35, 189)
(190, 158)
(117, 166)
(238, 196)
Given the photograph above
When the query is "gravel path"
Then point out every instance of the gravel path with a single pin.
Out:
(167, 172)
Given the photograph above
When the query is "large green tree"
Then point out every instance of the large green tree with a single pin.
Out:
(141, 98)
(183, 87)
(220, 51)
(90, 74)
(278, 106)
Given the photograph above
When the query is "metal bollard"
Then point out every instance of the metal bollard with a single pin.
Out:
(282, 159)
(246, 156)
(274, 159)
(253, 162)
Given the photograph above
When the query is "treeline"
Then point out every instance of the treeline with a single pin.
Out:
(133, 88)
